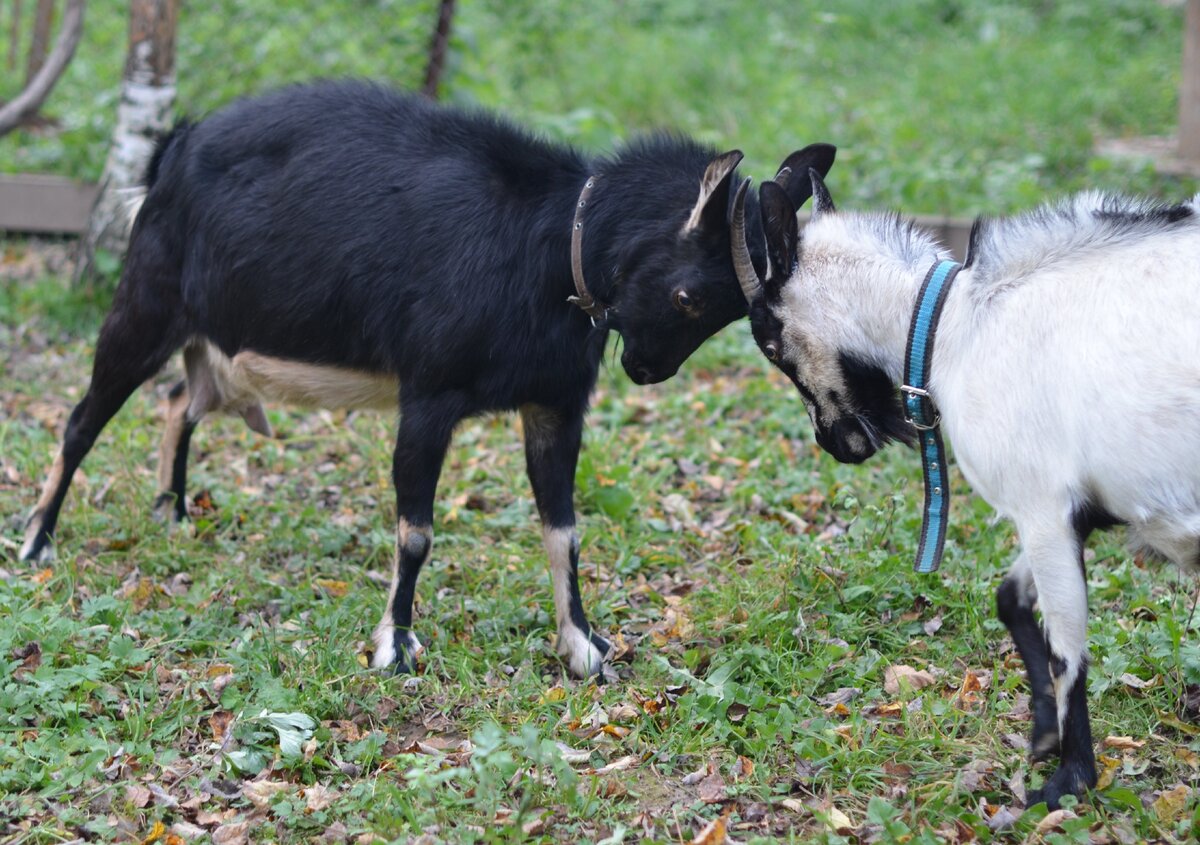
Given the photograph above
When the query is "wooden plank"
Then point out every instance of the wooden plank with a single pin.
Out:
(44, 204)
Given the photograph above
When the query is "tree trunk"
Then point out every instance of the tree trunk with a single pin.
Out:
(14, 35)
(25, 104)
(144, 112)
(1189, 86)
(43, 21)
(437, 49)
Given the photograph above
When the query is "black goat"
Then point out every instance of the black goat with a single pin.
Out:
(344, 245)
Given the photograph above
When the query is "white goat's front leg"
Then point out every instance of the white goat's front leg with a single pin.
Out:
(1015, 601)
(1055, 559)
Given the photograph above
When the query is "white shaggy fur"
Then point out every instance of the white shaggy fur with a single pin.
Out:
(1066, 370)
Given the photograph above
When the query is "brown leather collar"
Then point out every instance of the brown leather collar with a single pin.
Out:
(595, 309)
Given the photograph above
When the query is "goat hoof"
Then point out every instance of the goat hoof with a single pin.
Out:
(1066, 780)
(37, 547)
(396, 651)
(584, 653)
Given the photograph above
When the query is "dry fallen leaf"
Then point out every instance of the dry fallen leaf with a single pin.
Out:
(1108, 770)
(232, 834)
(894, 677)
(1123, 743)
(839, 822)
(1170, 805)
(260, 792)
(1053, 820)
(137, 795)
(712, 833)
(337, 589)
(155, 833)
(318, 797)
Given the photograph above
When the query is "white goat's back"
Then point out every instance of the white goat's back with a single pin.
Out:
(1076, 377)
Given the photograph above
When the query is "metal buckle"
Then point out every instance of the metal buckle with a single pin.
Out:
(909, 390)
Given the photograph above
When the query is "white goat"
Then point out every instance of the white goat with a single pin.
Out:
(1067, 374)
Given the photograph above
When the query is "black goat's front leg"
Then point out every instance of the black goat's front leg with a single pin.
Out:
(1014, 605)
(425, 429)
(552, 441)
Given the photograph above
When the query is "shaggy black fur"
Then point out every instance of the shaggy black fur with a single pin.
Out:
(346, 224)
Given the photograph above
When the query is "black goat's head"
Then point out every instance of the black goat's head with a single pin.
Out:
(674, 284)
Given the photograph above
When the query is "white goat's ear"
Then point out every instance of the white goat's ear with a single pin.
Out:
(712, 205)
(818, 157)
(782, 234)
(822, 201)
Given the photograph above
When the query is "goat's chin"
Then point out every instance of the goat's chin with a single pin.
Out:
(888, 427)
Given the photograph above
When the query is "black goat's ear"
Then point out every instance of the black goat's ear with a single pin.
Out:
(782, 234)
(710, 213)
(818, 157)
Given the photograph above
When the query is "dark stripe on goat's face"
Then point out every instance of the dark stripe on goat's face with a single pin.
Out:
(875, 399)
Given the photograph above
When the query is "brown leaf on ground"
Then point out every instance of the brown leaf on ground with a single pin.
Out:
(1170, 805)
(712, 833)
(712, 789)
(260, 792)
(219, 723)
(896, 676)
(137, 795)
(1053, 820)
(318, 797)
(30, 656)
(237, 833)
(1123, 743)
(742, 769)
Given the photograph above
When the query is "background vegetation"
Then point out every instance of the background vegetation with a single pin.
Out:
(939, 106)
(208, 683)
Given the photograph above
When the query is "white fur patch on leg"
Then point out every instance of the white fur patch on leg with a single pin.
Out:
(384, 638)
(582, 656)
(576, 649)
(384, 635)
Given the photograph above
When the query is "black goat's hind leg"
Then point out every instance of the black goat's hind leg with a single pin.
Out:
(425, 430)
(1014, 605)
(139, 334)
(171, 502)
(552, 441)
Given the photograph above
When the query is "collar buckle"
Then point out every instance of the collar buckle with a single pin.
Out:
(919, 409)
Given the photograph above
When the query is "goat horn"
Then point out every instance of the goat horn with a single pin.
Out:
(747, 276)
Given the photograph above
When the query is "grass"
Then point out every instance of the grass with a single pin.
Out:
(152, 679)
(938, 106)
(162, 686)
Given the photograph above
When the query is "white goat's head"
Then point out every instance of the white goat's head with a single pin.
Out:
(805, 317)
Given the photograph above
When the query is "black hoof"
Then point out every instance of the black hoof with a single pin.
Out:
(1066, 780)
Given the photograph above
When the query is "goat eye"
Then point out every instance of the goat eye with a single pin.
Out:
(771, 350)
(683, 302)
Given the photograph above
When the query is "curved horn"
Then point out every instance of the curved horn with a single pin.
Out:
(822, 201)
(742, 265)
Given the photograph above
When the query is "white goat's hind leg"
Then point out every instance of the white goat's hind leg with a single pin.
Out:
(1055, 560)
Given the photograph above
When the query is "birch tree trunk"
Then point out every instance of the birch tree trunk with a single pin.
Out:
(144, 112)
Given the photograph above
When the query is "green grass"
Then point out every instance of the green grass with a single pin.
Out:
(750, 576)
(938, 106)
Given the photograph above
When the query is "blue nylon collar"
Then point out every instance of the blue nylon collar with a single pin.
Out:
(922, 413)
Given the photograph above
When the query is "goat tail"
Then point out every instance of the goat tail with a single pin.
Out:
(165, 149)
